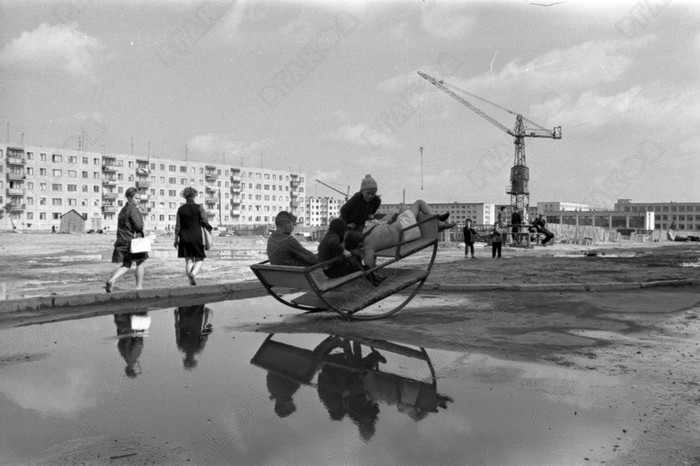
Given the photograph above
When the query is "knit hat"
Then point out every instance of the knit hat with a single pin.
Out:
(368, 183)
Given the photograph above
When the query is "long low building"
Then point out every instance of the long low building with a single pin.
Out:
(40, 184)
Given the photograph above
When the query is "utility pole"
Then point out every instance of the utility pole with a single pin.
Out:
(186, 153)
(132, 145)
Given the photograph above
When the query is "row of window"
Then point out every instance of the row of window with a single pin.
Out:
(666, 208)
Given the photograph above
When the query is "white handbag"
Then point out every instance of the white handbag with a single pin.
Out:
(140, 245)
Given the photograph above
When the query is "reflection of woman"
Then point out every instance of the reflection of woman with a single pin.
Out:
(191, 218)
(192, 329)
(130, 343)
(129, 226)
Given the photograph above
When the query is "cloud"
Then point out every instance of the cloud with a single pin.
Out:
(361, 135)
(51, 48)
(212, 145)
(445, 22)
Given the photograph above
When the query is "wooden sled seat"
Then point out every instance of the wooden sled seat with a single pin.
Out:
(352, 292)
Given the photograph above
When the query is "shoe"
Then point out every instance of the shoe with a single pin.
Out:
(192, 280)
(443, 217)
(375, 279)
(446, 226)
(473, 257)
(108, 287)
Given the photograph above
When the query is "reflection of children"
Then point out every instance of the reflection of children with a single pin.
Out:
(282, 389)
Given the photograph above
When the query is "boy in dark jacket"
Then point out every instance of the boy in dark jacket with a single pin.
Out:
(470, 237)
(283, 248)
(331, 247)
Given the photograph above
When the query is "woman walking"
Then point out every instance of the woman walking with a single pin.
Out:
(129, 226)
(191, 218)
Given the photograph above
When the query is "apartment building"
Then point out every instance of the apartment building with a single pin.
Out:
(479, 213)
(559, 206)
(321, 210)
(685, 215)
(39, 184)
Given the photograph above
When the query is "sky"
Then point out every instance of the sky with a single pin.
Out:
(331, 89)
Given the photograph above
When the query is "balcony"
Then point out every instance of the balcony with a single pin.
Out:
(144, 209)
(144, 197)
(109, 195)
(235, 213)
(109, 168)
(294, 183)
(235, 189)
(15, 192)
(109, 181)
(236, 178)
(294, 204)
(109, 209)
(210, 200)
(143, 184)
(15, 160)
(210, 189)
(15, 176)
(211, 176)
(17, 207)
(211, 214)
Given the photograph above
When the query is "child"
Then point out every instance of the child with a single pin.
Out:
(497, 239)
(283, 248)
(470, 236)
(331, 247)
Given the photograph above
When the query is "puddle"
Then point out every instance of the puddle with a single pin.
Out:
(182, 385)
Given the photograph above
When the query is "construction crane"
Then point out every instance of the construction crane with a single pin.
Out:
(519, 174)
(346, 194)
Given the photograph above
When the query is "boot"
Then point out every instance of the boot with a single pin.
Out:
(375, 279)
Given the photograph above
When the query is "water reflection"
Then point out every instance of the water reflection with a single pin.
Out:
(130, 329)
(192, 329)
(352, 377)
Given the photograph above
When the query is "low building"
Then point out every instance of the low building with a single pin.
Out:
(478, 213)
(679, 216)
(72, 222)
(603, 218)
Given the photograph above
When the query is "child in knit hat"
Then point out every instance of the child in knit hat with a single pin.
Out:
(362, 205)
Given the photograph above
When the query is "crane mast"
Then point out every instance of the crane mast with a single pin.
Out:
(518, 188)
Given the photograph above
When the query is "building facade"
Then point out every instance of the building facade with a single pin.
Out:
(479, 213)
(685, 215)
(39, 184)
(558, 206)
(321, 210)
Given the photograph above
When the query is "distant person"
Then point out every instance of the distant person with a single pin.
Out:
(362, 205)
(189, 241)
(192, 329)
(53, 229)
(497, 240)
(540, 225)
(129, 226)
(470, 237)
(501, 214)
(516, 221)
(331, 247)
(283, 248)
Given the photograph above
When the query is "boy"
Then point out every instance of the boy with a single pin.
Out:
(283, 248)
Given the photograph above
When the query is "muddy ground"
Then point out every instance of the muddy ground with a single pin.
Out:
(647, 338)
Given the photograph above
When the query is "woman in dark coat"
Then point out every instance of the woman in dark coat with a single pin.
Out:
(362, 205)
(189, 241)
(129, 226)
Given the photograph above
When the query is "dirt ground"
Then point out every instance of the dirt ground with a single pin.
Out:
(647, 338)
(43, 264)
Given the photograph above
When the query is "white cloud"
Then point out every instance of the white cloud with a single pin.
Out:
(362, 135)
(49, 48)
(444, 21)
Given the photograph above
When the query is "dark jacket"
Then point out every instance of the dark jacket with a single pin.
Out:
(470, 234)
(331, 247)
(284, 249)
(356, 210)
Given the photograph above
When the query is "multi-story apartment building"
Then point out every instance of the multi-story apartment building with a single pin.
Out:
(479, 213)
(39, 184)
(558, 206)
(685, 215)
(321, 210)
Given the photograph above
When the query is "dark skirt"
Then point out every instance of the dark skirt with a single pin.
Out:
(122, 255)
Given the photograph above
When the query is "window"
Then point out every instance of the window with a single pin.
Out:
(96, 176)
(85, 160)
(42, 157)
(56, 201)
(56, 158)
(85, 188)
(172, 180)
(96, 161)
(172, 193)
(30, 185)
(30, 200)
(42, 201)
(131, 164)
(56, 215)
(172, 168)
(72, 188)
(96, 189)
(42, 215)
(72, 159)
(153, 166)
(183, 169)
(42, 172)
(42, 186)
(30, 171)
(30, 215)
(30, 155)
(85, 174)
(183, 181)
(72, 202)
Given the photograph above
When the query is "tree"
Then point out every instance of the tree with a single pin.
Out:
(9, 208)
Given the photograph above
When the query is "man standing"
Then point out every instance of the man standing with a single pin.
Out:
(470, 236)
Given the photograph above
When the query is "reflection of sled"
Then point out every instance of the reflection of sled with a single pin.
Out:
(351, 293)
(415, 397)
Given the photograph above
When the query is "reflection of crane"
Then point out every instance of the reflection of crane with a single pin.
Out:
(346, 194)
(519, 173)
